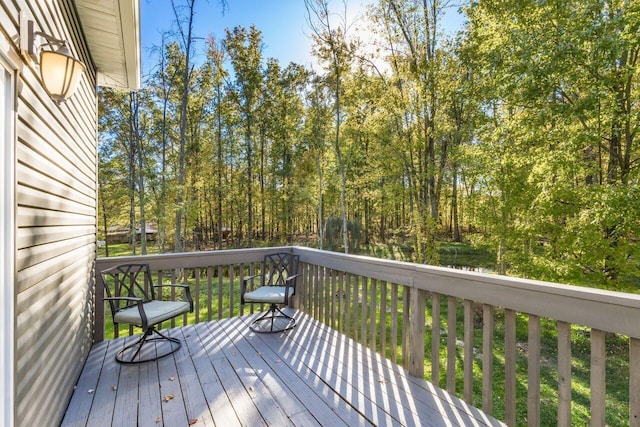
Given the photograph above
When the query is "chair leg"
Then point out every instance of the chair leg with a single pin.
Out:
(270, 316)
(147, 336)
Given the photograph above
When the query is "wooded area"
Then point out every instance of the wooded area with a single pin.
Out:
(518, 134)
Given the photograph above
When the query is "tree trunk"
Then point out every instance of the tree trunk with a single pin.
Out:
(178, 247)
(131, 151)
(220, 170)
(454, 206)
(249, 145)
(137, 142)
(320, 224)
(343, 175)
(263, 203)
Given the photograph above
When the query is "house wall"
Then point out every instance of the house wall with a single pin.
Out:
(55, 233)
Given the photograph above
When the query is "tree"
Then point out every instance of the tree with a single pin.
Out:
(163, 87)
(186, 36)
(334, 50)
(123, 130)
(566, 72)
(215, 57)
(318, 115)
(245, 51)
(417, 59)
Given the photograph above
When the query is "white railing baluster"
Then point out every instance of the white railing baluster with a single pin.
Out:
(373, 323)
(488, 321)
(533, 372)
(598, 377)
(510, 367)
(564, 374)
(394, 322)
(634, 382)
(451, 344)
(435, 339)
(416, 332)
(468, 351)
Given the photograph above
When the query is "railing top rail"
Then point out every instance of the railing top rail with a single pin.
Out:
(194, 259)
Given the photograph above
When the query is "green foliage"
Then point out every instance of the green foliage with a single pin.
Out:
(518, 136)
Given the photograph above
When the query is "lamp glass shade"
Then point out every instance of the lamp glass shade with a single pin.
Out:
(60, 73)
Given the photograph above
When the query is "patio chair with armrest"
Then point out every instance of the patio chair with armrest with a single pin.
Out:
(132, 299)
(276, 285)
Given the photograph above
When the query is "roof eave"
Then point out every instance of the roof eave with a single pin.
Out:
(112, 30)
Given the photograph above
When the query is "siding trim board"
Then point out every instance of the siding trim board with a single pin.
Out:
(7, 239)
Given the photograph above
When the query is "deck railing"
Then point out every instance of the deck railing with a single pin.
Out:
(454, 327)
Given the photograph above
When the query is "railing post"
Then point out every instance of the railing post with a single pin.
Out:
(488, 314)
(510, 344)
(598, 377)
(435, 338)
(634, 382)
(98, 308)
(451, 344)
(416, 332)
(564, 374)
(468, 351)
(533, 372)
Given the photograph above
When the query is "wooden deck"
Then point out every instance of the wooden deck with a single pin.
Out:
(226, 375)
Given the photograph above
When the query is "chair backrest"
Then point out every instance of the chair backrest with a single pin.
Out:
(128, 280)
(278, 267)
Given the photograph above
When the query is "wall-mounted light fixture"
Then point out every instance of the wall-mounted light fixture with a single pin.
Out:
(60, 71)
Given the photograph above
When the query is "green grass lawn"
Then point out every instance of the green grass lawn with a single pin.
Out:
(123, 249)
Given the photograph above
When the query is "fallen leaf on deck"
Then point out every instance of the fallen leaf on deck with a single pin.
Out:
(114, 388)
(193, 421)
(234, 353)
(90, 391)
(158, 420)
(168, 397)
(382, 381)
(172, 378)
(251, 388)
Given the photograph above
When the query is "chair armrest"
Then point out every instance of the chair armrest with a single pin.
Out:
(172, 285)
(247, 278)
(186, 288)
(292, 279)
(243, 287)
(139, 303)
(290, 282)
(122, 298)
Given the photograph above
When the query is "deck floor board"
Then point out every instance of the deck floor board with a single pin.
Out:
(103, 397)
(219, 404)
(226, 375)
(78, 411)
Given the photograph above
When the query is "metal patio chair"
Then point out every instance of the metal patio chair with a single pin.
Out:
(132, 298)
(276, 285)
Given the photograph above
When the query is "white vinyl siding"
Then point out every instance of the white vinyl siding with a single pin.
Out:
(54, 242)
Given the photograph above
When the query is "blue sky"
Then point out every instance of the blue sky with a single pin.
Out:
(282, 23)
